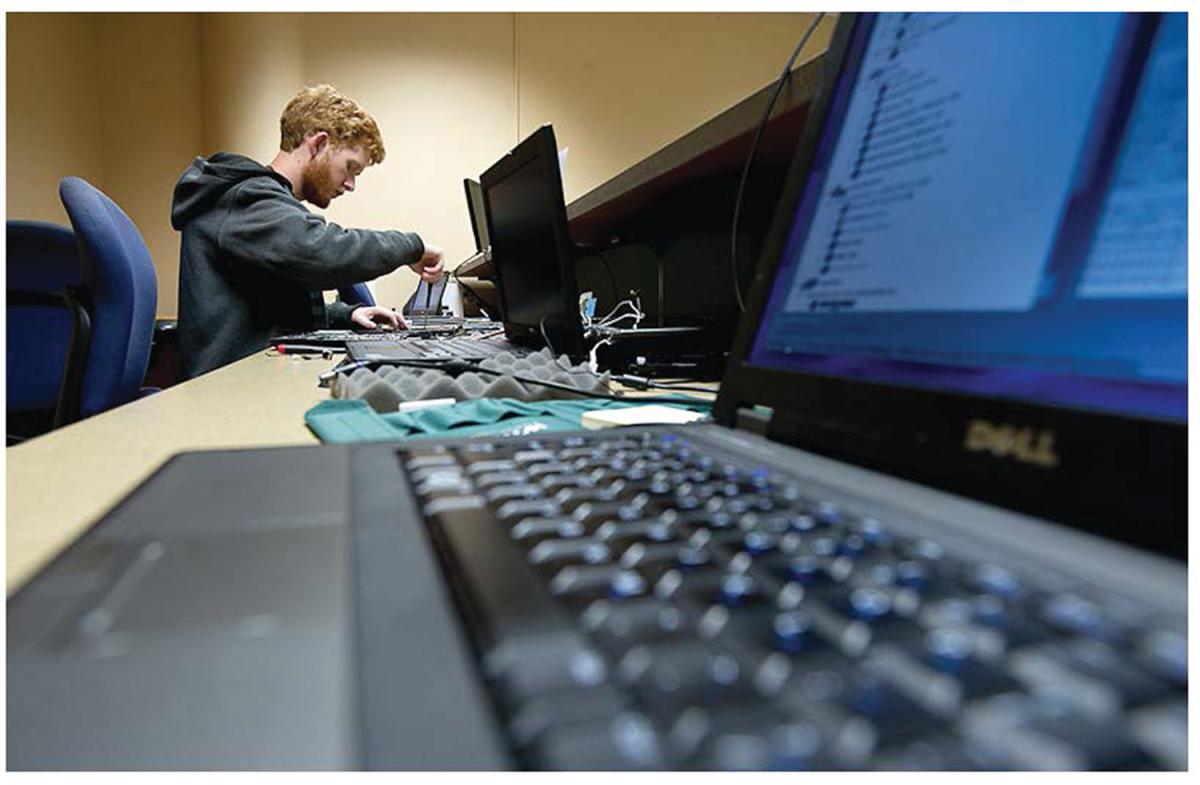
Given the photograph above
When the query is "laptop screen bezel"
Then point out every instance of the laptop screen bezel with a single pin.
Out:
(1115, 476)
(475, 210)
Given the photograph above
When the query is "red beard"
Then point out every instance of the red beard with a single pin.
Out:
(318, 186)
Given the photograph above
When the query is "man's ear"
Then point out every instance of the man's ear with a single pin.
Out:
(316, 142)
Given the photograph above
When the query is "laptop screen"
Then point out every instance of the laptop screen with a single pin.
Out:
(527, 224)
(997, 205)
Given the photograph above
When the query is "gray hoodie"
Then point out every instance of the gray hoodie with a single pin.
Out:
(253, 261)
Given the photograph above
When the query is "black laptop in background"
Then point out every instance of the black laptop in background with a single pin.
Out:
(939, 522)
(526, 220)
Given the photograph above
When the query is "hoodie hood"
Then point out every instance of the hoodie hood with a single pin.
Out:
(207, 180)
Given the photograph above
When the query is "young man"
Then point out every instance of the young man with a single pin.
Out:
(253, 259)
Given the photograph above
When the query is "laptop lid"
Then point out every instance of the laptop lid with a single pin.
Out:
(531, 248)
(475, 209)
(976, 276)
(426, 299)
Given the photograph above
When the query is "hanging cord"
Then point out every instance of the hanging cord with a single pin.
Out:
(737, 203)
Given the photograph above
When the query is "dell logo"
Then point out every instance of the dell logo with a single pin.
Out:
(1026, 445)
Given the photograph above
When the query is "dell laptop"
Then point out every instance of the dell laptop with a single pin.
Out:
(938, 522)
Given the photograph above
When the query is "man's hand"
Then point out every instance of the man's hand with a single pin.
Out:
(372, 316)
(430, 267)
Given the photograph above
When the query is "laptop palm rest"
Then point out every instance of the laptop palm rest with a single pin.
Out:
(209, 622)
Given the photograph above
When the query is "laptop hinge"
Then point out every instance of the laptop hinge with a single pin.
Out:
(755, 419)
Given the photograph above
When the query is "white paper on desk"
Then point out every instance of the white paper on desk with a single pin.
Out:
(649, 414)
(562, 160)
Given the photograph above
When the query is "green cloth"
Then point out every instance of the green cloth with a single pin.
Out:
(343, 421)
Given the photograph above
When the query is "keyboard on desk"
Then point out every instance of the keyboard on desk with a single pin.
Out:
(638, 602)
(454, 347)
(418, 326)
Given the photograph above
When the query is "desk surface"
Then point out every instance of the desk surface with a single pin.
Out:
(60, 483)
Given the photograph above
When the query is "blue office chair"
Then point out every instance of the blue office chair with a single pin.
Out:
(119, 291)
(356, 294)
(42, 264)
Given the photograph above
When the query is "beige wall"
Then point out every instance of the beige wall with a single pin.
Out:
(111, 98)
(441, 88)
(251, 65)
(150, 125)
(127, 100)
(53, 112)
(618, 87)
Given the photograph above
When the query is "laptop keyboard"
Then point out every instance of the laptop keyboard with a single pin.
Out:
(637, 603)
(459, 347)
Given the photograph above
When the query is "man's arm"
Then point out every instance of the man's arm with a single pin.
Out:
(270, 230)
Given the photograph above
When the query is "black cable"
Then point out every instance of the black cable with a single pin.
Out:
(462, 366)
(612, 279)
(737, 204)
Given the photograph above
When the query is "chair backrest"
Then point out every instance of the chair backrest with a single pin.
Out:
(356, 294)
(117, 277)
(41, 259)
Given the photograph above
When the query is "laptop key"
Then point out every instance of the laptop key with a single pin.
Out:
(490, 479)
(555, 554)
(487, 466)
(674, 553)
(670, 676)
(736, 737)
(627, 741)
(619, 533)
(443, 483)
(553, 483)
(432, 459)
(584, 584)
(1091, 663)
(1161, 732)
(534, 529)
(595, 513)
(564, 709)
(532, 456)
(1164, 652)
(529, 667)
(517, 509)
(809, 695)
(939, 752)
(618, 626)
(498, 494)
(1074, 614)
(1017, 629)
(1045, 673)
(1023, 731)
(572, 498)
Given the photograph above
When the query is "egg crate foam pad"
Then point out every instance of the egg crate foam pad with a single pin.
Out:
(385, 387)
